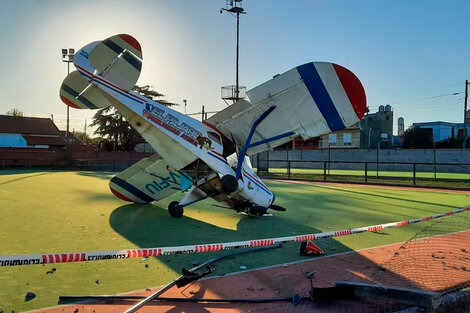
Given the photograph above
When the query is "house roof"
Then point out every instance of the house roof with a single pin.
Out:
(27, 125)
(44, 140)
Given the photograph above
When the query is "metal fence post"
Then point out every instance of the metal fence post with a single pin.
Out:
(324, 170)
(257, 164)
(414, 174)
(288, 164)
(267, 161)
(365, 172)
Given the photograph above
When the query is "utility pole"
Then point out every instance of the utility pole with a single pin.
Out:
(465, 116)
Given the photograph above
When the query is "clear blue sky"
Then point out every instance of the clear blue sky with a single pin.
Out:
(400, 50)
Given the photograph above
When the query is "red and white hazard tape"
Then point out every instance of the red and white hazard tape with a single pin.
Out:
(30, 259)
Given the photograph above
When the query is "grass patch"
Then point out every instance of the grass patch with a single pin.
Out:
(59, 211)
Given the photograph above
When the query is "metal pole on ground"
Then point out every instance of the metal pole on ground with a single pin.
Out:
(205, 264)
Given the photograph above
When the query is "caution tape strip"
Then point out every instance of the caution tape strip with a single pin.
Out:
(51, 258)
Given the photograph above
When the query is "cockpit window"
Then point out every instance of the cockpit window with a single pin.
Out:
(214, 137)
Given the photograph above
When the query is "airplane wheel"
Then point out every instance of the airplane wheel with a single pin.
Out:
(175, 209)
(229, 184)
(256, 210)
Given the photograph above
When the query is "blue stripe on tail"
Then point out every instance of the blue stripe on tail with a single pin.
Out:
(128, 187)
(317, 90)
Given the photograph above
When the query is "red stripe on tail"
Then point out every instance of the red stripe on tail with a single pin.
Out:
(353, 88)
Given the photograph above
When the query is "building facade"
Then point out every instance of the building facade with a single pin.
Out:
(377, 129)
(443, 130)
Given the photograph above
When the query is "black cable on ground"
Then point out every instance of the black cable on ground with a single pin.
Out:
(69, 299)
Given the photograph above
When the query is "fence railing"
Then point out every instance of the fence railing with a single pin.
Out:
(442, 175)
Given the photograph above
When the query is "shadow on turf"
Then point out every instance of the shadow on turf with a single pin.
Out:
(150, 226)
(22, 178)
(388, 197)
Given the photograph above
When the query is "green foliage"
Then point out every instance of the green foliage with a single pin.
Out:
(417, 138)
(114, 127)
(15, 112)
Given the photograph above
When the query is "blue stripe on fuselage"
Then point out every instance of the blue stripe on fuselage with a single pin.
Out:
(317, 90)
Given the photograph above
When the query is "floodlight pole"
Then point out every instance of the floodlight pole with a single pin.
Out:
(237, 92)
(233, 8)
(67, 56)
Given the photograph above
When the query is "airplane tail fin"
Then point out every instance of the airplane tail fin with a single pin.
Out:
(115, 62)
(77, 92)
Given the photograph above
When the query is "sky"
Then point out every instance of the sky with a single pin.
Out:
(414, 55)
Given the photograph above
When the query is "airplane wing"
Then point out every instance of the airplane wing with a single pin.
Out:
(150, 179)
(307, 101)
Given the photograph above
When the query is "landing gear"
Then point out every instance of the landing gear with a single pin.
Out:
(175, 209)
(229, 184)
(256, 210)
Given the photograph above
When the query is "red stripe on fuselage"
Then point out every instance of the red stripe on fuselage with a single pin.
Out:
(259, 182)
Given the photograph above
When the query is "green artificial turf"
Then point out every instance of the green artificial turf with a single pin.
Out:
(372, 173)
(424, 179)
(75, 211)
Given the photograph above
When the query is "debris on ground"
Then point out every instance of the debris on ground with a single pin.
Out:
(29, 296)
(250, 288)
(146, 265)
(52, 271)
(309, 274)
(308, 248)
(97, 282)
(242, 267)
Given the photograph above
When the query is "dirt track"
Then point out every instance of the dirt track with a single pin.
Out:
(436, 266)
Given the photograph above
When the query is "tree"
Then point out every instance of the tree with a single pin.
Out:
(86, 139)
(15, 112)
(418, 138)
(113, 126)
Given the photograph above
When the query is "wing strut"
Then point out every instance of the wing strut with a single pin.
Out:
(248, 143)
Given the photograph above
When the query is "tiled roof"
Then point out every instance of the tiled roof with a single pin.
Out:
(27, 125)
(44, 140)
